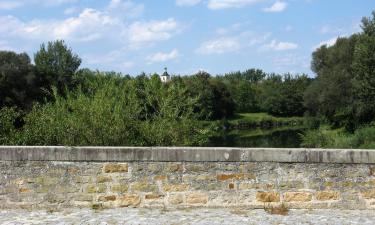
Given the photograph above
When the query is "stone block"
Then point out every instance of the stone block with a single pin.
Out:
(370, 194)
(268, 197)
(327, 195)
(372, 171)
(107, 198)
(235, 176)
(116, 168)
(197, 198)
(175, 167)
(297, 196)
(92, 188)
(127, 200)
(175, 199)
(175, 187)
(195, 167)
(144, 187)
(24, 190)
(103, 179)
(153, 196)
(119, 188)
(160, 177)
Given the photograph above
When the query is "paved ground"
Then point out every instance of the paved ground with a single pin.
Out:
(196, 216)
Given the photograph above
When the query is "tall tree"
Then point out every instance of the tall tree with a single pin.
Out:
(57, 63)
(18, 83)
(364, 71)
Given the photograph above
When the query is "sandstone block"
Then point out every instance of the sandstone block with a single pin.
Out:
(83, 197)
(129, 200)
(115, 168)
(369, 194)
(144, 187)
(195, 168)
(153, 196)
(176, 199)
(235, 176)
(197, 198)
(100, 188)
(24, 190)
(372, 171)
(103, 179)
(160, 177)
(107, 198)
(176, 187)
(327, 195)
(119, 188)
(297, 197)
(268, 197)
(175, 167)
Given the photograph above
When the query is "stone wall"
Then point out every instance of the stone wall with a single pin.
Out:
(165, 181)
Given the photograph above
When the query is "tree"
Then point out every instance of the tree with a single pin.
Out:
(364, 72)
(57, 64)
(18, 84)
(331, 95)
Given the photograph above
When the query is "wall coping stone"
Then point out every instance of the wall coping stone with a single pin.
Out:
(185, 154)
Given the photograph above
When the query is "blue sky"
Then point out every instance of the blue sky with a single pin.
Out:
(217, 36)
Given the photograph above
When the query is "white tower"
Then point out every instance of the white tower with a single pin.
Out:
(165, 77)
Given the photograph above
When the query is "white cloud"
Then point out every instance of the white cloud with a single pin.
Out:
(278, 6)
(147, 32)
(187, 2)
(7, 5)
(126, 8)
(218, 46)
(224, 4)
(128, 64)
(280, 46)
(162, 56)
(89, 25)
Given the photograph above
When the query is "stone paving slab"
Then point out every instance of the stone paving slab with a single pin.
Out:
(187, 216)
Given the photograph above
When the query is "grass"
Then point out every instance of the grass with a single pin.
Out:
(251, 120)
(325, 137)
(262, 132)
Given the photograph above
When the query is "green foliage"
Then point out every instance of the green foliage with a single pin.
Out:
(116, 113)
(364, 78)
(344, 90)
(8, 117)
(325, 137)
(214, 101)
(283, 96)
(19, 86)
(57, 63)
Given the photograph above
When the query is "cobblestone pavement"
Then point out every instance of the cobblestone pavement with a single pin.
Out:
(187, 216)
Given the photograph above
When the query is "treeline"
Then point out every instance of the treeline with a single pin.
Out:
(53, 102)
(343, 93)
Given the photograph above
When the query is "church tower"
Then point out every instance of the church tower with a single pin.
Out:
(165, 77)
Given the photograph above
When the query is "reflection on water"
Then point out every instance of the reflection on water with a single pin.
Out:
(270, 138)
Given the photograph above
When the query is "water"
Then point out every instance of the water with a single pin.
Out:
(270, 138)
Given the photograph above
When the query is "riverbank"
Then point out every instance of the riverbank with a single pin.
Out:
(262, 120)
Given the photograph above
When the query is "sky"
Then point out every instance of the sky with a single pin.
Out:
(187, 36)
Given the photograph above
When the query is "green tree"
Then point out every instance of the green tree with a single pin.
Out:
(57, 64)
(19, 86)
(364, 72)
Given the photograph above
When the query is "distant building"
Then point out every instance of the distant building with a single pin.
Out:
(165, 77)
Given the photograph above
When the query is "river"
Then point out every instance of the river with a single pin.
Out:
(286, 137)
